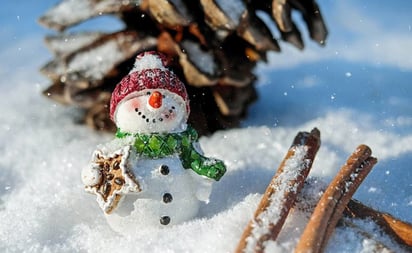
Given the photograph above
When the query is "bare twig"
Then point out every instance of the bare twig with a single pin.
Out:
(333, 202)
(281, 193)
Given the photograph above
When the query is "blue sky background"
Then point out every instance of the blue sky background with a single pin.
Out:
(366, 65)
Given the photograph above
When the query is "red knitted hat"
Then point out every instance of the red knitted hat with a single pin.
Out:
(149, 72)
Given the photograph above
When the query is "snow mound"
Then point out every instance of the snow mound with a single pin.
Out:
(45, 208)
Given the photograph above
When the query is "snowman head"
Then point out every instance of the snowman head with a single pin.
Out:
(150, 99)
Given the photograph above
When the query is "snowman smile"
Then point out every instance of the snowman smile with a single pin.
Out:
(149, 118)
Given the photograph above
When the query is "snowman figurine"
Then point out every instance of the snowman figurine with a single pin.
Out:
(153, 172)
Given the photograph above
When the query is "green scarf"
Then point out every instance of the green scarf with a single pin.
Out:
(158, 145)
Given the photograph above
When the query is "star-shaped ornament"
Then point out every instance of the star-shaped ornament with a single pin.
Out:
(109, 178)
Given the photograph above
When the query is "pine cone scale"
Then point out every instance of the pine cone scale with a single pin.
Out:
(71, 12)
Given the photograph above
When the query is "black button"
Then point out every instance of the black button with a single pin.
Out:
(164, 170)
(164, 220)
(167, 197)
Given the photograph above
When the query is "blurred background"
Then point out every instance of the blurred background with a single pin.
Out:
(365, 64)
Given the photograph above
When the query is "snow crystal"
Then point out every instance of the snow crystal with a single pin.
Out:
(372, 189)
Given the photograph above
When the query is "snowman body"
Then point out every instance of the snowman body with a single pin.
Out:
(168, 196)
(153, 173)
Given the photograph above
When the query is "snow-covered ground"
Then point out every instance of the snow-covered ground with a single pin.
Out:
(355, 90)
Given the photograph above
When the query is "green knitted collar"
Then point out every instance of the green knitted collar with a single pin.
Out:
(157, 145)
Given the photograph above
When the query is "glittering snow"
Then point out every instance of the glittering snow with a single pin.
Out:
(45, 208)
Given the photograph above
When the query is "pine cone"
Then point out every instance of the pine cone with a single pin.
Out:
(213, 45)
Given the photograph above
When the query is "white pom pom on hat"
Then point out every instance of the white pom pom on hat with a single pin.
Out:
(150, 60)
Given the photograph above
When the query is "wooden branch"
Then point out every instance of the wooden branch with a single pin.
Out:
(397, 229)
(281, 193)
(333, 202)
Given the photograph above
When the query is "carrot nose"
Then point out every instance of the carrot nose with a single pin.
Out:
(155, 100)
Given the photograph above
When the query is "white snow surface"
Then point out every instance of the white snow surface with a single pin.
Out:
(44, 207)
(350, 91)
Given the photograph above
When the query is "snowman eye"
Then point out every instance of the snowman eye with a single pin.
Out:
(163, 96)
(148, 93)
